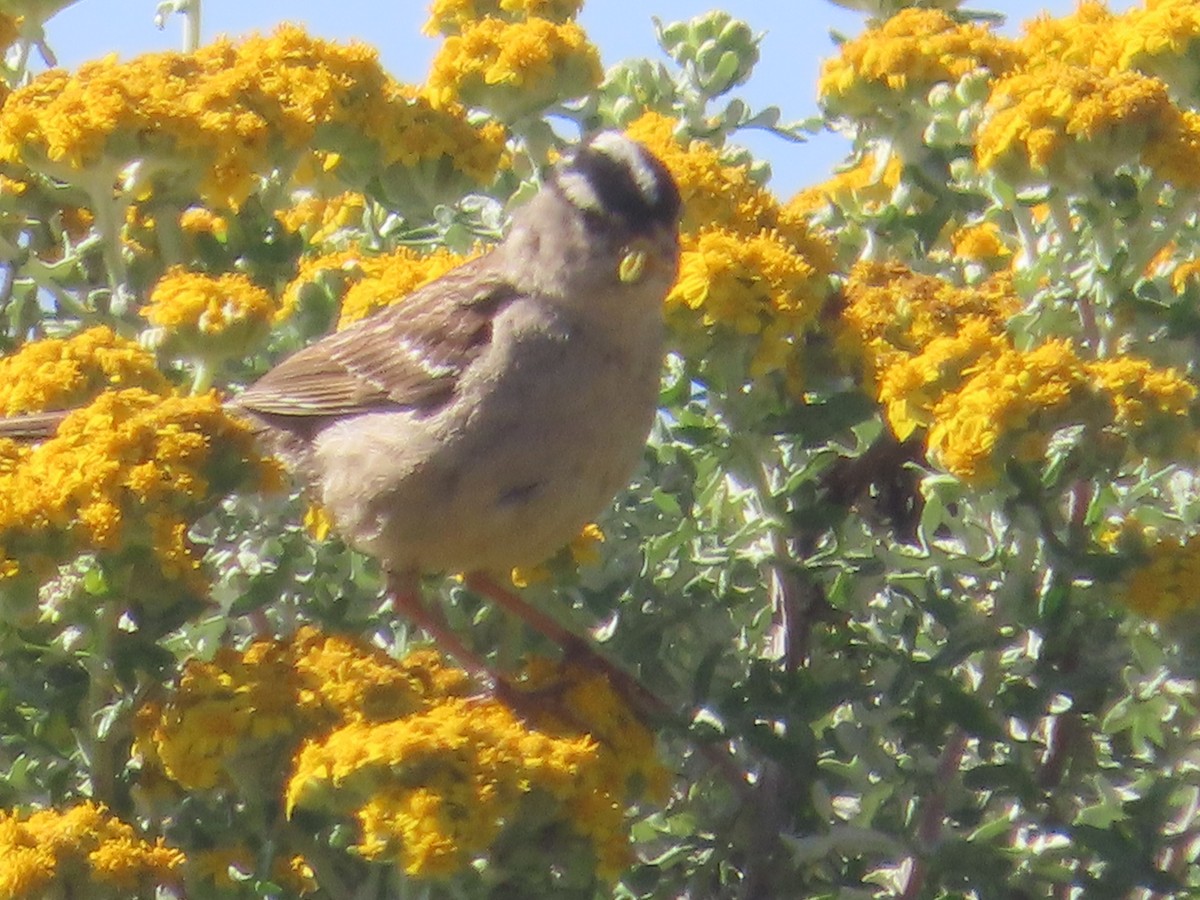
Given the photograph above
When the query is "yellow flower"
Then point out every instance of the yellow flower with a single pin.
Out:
(866, 185)
(198, 220)
(908, 54)
(206, 315)
(434, 789)
(452, 16)
(226, 114)
(1063, 119)
(128, 470)
(1019, 397)
(754, 286)
(81, 848)
(1139, 391)
(390, 278)
(224, 717)
(981, 243)
(1184, 273)
(59, 373)
(892, 313)
(432, 774)
(1152, 407)
(515, 68)
(1076, 38)
(1158, 38)
(583, 551)
(359, 683)
(425, 139)
(321, 218)
(1165, 585)
(911, 385)
(229, 719)
(295, 874)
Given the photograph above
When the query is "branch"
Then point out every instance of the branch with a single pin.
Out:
(933, 811)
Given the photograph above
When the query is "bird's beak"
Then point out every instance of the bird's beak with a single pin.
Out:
(644, 256)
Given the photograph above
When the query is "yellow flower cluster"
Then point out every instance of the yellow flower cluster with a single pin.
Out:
(1152, 406)
(1073, 38)
(908, 54)
(452, 16)
(1104, 118)
(432, 775)
(755, 286)
(366, 283)
(59, 373)
(81, 851)
(1165, 584)
(627, 753)
(1157, 38)
(982, 242)
(434, 789)
(319, 219)
(749, 267)
(866, 185)
(131, 469)
(938, 358)
(198, 220)
(227, 113)
(1095, 92)
(998, 402)
(515, 68)
(911, 386)
(210, 316)
(1017, 397)
(225, 718)
(230, 720)
(892, 314)
(388, 279)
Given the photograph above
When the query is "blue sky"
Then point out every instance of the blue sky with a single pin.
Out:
(797, 37)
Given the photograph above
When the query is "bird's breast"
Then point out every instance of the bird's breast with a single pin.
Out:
(546, 427)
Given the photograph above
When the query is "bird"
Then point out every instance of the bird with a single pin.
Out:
(479, 423)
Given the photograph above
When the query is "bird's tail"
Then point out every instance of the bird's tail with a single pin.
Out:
(32, 426)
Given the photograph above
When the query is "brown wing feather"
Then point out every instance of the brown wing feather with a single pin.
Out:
(410, 355)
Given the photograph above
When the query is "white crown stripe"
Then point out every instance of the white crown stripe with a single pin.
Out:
(577, 188)
(629, 155)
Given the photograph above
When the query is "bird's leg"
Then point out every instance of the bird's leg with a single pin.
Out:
(645, 701)
(404, 592)
(573, 646)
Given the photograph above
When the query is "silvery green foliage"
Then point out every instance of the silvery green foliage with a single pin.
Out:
(886, 683)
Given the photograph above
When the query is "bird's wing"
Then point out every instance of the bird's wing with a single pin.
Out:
(408, 356)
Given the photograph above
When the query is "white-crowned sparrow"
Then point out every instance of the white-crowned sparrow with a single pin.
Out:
(481, 422)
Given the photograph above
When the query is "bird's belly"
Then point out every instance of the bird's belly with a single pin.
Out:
(512, 479)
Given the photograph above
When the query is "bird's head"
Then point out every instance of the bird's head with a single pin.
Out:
(608, 212)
